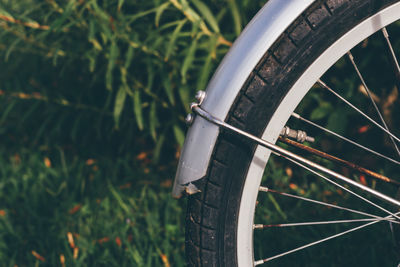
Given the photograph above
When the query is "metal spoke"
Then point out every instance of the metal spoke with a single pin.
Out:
(263, 226)
(343, 162)
(358, 110)
(297, 116)
(320, 172)
(393, 57)
(340, 186)
(292, 156)
(370, 97)
(259, 262)
(266, 189)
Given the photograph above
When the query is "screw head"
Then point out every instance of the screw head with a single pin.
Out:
(189, 119)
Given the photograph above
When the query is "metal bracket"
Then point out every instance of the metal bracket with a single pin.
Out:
(200, 96)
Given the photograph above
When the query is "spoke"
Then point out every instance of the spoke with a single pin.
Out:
(383, 127)
(341, 187)
(263, 226)
(393, 57)
(343, 162)
(372, 100)
(358, 110)
(266, 189)
(297, 116)
(289, 155)
(259, 262)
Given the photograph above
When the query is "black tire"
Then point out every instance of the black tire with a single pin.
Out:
(211, 222)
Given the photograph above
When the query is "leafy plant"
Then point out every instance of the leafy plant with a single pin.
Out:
(130, 67)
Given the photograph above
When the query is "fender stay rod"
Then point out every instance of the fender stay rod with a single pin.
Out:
(281, 151)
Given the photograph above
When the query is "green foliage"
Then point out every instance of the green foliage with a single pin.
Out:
(110, 81)
(116, 214)
(132, 64)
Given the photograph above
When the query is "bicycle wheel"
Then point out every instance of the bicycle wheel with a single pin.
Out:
(221, 227)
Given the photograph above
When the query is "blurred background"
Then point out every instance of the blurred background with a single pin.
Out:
(93, 96)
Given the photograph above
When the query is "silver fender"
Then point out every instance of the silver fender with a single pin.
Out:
(262, 31)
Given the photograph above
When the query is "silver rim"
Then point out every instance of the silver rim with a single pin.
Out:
(307, 80)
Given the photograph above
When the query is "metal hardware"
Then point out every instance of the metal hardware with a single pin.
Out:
(297, 116)
(191, 189)
(236, 67)
(200, 96)
(189, 119)
(193, 104)
(298, 135)
(285, 153)
(260, 34)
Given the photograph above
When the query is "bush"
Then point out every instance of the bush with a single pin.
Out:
(117, 72)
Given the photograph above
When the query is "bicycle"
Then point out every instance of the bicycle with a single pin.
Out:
(289, 48)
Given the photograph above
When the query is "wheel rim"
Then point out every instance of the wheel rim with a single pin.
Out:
(247, 206)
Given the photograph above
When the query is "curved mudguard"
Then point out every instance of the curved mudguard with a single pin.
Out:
(262, 31)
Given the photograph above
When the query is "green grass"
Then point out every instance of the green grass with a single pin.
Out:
(118, 212)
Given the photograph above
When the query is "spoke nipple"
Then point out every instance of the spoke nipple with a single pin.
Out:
(263, 188)
(258, 262)
(297, 116)
(189, 119)
(200, 96)
(258, 226)
(385, 33)
(350, 55)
